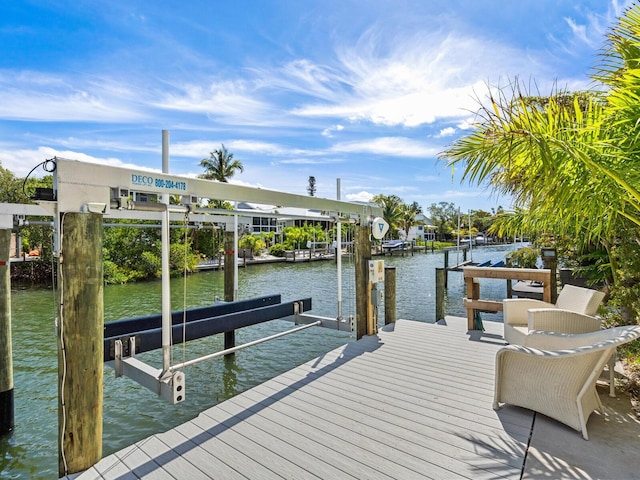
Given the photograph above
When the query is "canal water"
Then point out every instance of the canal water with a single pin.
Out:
(131, 412)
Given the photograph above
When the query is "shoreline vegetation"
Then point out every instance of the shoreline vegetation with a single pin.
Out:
(38, 271)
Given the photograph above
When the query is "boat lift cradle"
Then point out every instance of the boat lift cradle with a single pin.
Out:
(107, 190)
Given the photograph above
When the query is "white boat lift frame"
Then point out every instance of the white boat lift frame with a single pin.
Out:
(88, 187)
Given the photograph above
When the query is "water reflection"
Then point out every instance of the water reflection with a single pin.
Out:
(230, 376)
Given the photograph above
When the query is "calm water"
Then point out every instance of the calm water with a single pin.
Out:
(132, 412)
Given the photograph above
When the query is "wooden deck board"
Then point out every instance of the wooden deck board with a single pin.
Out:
(202, 461)
(390, 433)
(261, 450)
(382, 456)
(241, 462)
(428, 405)
(141, 464)
(312, 419)
(410, 403)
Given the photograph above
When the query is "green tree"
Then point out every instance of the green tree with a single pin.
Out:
(407, 216)
(311, 188)
(252, 243)
(19, 190)
(11, 188)
(481, 220)
(220, 165)
(444, 216)
(391, 211)
(294, 237)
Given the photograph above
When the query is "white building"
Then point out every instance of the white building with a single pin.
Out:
(423, 229)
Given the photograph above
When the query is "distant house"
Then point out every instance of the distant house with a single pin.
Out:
(266, 219)
(423, 229)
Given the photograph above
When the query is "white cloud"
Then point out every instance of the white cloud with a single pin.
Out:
(446, 132)
(362, 196)
(328, 132)
(466, 124)
(21, 161)
(309, 161)
(77, 143)
(389, 146)
(595, 27)
(396, 79)
(33, 96)
(235, 101)
(428, 178)
(580, 33)
(195, 149)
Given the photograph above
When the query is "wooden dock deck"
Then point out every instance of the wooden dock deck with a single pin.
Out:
(413, 401)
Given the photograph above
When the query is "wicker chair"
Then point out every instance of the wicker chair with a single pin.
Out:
(555, 374)
(561, 317)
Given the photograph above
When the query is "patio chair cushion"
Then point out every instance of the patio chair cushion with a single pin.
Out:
(516, 313)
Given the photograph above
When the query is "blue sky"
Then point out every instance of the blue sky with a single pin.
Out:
(366, 91)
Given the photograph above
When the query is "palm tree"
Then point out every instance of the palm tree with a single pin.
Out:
(220, 165)
(569, 160)
(407, 217)
(390, 205)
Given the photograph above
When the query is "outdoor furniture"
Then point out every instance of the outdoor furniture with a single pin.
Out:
(555, 374)
(518, 312)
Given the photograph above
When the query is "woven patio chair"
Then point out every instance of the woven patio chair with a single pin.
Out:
(555, 374)
(579, 300)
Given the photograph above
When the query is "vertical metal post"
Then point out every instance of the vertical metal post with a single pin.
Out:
(235, 254)
(166, 293)
(6, 356)
(166, 274)
(339, 254)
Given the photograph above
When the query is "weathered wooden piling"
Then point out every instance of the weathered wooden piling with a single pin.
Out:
(6, 356)
(364, 309)
(389, 295)
(229, 282)
(80, 343)
(441, 287)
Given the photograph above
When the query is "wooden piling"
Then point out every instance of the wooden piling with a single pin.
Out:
(229, 282)
(441, 275)
(363, 291)
(80, 343)
(6, 356)
(389, 295)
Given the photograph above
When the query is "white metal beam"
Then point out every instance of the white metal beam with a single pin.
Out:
(80, 183)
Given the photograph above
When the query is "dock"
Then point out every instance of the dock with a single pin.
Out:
(412, 402)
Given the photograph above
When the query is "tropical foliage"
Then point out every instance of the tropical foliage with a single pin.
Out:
(134, 253)
(570, 160)
(396, 213)
(220, 165)
(444, 216)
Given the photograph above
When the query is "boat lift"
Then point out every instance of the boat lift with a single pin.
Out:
(110, 191)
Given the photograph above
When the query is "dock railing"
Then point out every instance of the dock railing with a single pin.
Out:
(473, 301)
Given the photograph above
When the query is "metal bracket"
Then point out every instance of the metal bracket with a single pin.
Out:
(296, 312)
(170, 387)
